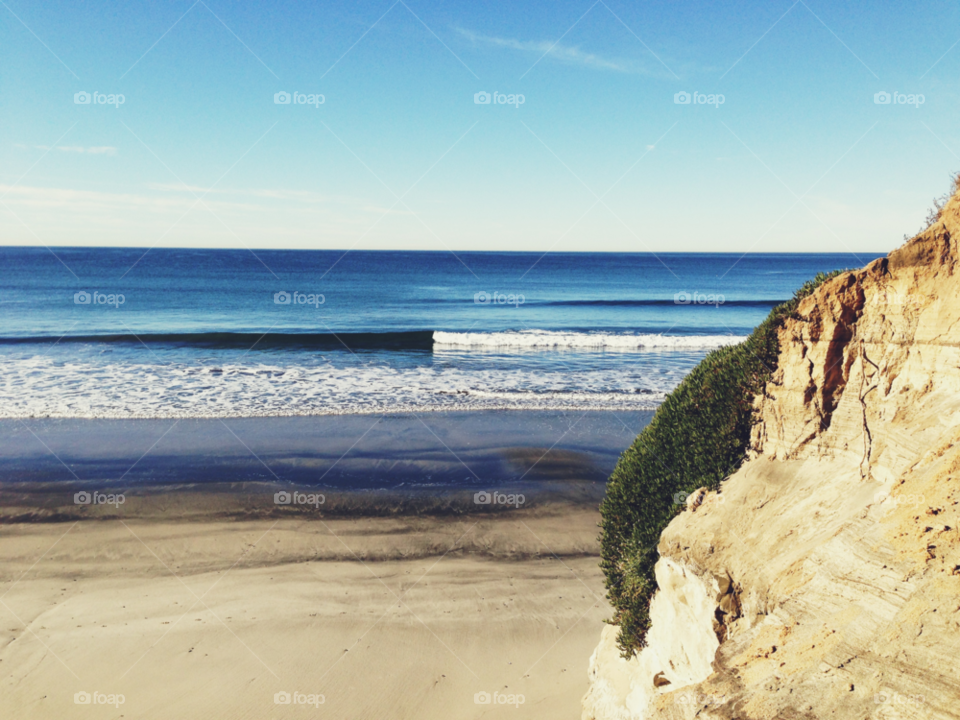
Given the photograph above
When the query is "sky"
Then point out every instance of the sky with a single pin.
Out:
(785, 146)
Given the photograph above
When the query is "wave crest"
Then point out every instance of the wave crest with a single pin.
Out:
(546, 340)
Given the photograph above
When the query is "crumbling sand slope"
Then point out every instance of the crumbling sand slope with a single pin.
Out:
(823, 580)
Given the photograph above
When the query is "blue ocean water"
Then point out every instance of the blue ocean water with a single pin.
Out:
(98, 332)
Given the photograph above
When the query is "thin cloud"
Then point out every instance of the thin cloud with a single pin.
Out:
(570, 54)
(297, 196)
(111, 218)
(87, 201)
(96, 150)
(99, 150)
(279, 194)
(183, 198)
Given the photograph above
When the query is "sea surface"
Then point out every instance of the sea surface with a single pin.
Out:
(166, 333)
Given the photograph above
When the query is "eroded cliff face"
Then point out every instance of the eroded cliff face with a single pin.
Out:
(823, 580)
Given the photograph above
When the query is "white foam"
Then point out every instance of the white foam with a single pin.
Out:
(548, 340)
(467, 371)
(38, 387)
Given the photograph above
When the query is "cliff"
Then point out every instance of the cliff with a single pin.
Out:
(823, 578)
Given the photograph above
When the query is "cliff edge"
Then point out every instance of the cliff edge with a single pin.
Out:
(823, 579)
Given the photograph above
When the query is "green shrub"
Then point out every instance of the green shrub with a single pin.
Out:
(698, 437)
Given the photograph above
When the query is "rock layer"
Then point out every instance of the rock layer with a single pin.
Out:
(828, 566)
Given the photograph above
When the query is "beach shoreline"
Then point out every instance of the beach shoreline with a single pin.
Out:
(60, 470)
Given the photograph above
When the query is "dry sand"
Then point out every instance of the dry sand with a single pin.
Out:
(383, 617)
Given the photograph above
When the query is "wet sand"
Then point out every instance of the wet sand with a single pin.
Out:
(347, 452)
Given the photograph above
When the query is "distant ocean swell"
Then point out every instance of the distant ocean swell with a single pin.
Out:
(409, 340)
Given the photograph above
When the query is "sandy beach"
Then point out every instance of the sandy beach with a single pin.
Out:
(395, 596)
(401, 617)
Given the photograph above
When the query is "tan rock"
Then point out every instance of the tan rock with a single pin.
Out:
(832, 564)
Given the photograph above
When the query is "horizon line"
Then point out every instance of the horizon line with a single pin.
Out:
(435, 252)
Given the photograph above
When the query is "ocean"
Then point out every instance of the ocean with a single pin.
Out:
(168, 333)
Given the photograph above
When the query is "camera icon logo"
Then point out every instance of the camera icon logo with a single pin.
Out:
(482, 498)
(281, 698)
(81, 98)
(681, 98)
(81, 298)
(282, 498)
(680, 498)
(81, 698)
(281, 298)
(481, 298)
(281, 98)
(481, 98)
(682, 298)
(881, 98)
(82, 498)
(481, 698)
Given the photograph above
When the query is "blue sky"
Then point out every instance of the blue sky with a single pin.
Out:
(798, 157)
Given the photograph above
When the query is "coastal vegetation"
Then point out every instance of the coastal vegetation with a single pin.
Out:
(698, 437)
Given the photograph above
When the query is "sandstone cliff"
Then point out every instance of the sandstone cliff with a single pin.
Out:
(823, 579)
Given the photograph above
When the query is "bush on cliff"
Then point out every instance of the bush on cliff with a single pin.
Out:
(698, 437)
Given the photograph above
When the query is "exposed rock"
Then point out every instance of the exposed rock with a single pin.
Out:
(681, 647)
(824, 580)
(695, 499)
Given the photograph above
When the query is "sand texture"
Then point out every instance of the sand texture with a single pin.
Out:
(381, 617)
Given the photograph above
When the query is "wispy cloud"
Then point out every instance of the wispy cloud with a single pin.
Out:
(97, 150)
(49, 214)
(570, 54)
(177, 197)
(304, 196)
(89, 201)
